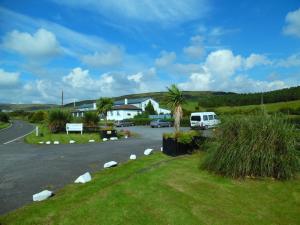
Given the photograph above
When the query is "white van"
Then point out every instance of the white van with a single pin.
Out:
(204, 120)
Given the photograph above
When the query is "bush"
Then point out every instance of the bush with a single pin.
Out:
(4, 117)
(183, 137)
(260, 145)
(58, 119)
(90, 119)
(37, 117)
(140, 121)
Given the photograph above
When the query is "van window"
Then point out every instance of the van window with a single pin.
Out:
(216, 117)
(205, 117)
(211, 117)
(195, 118)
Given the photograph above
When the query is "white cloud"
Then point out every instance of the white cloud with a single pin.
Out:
(198, 81)
(255, 60)
(167, 12)
(291, 61)
(8, 79)
(112, 57)
(165, 59)
(78, 78)
(40, 44)
(195, 50)
(223, 63)
(136, 77)
(292, 20)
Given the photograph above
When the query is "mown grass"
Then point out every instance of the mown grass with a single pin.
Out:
(162, 190)
(63, 138)
(4, 125)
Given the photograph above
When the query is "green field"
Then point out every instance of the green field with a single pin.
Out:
(162, 190)
(4, 125)
(63, 138)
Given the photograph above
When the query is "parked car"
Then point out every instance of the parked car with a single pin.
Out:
(204, 120)
(160, 123)
(124, 123)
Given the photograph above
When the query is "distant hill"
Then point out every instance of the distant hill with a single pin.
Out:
(209, 99)
(26, 107)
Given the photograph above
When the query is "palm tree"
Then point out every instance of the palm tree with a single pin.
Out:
(104, 105)
(175, 99)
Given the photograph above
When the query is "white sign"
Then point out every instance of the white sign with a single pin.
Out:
(74, 127)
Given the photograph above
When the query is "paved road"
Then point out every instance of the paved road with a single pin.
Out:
(27, 169)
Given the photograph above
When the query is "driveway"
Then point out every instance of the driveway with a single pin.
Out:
(27, 169)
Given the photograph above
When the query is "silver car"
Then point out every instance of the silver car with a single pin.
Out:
(160, 123)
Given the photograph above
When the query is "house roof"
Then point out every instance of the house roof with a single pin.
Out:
(83, 106)
(131, 101)
(126, 107)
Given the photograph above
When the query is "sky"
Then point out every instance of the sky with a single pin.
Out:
(107, 48)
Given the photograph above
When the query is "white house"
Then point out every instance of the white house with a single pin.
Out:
(79, 111)
(128, 108)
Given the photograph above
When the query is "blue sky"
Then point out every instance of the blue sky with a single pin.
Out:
(108, 48)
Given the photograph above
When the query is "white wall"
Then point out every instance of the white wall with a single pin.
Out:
(121, 114)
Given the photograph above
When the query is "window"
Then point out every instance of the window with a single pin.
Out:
(211, 117)
(128, 114)
(205, 117)
(111, 113)
(118, 113)
(216, 117)
(195, 118)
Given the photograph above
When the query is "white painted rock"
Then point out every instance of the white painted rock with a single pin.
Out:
(91, 141)
(84, 178)
(110, 164)
(48, 142)
(126, 136)
(113, 138)
(132, 156)
(161, 149)
(41, 195)
(71, 141)
(56, 142)
(148, 151)
(41, 142)
(104, 139)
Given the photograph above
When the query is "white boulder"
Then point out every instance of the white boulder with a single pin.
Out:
(71, 141)
(126, 136)
(113, 138)
(148, 151)
(56, 142)
(42, 195)
(41, 142)
(161, 149)
(48, 142)
(110, 164)
(132, 156)
(104, 139)
(84, 178)
(91, 141)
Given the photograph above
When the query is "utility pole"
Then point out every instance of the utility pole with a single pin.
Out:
(62, 98)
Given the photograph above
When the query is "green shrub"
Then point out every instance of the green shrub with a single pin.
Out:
(90, 119)
(259, 145)
(4, 117)
(183, 137)
(140, 121)
(57, 120)
(37, 117)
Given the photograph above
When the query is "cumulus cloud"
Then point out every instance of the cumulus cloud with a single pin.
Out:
(8, 79)
(292, 26)
(112, 57)
(255, 60)
(291, 61)
(223, 63)
(42, 43)
(165, 59)
(195, 50)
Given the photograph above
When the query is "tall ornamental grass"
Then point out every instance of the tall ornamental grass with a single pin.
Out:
(257, 146)
(57, 120)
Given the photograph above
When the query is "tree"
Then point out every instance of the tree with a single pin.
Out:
(103, 106)
(175, 100)
(150, 109)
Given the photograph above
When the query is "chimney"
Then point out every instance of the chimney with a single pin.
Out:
(125, 101)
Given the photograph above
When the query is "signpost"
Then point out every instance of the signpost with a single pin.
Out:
(74, 127)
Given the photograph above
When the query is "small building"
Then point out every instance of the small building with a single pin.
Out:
(79, 111)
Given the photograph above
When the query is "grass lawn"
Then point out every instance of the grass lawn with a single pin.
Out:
(271, 107)
(4, 125)
(63, 138)
(162, 190)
